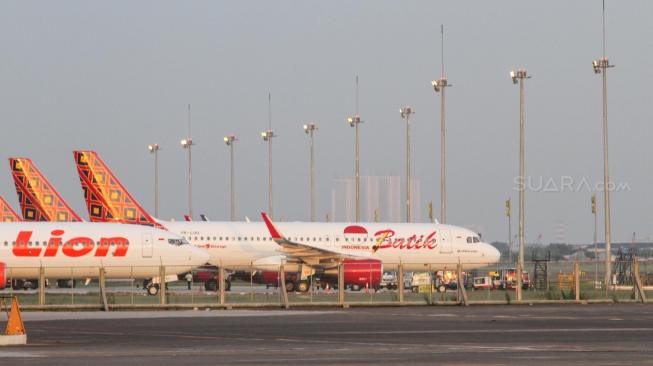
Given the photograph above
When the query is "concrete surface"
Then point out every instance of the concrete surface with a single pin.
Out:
(481, 335)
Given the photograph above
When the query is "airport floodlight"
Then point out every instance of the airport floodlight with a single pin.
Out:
(601, 64)
(354, 120)
(405, 112)
(187, 143)
(153, 148)
(517, 75)
(229, 139)
(309, 127)
(267, 135)
(439, 84)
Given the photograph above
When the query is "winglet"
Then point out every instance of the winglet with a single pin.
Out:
(187, 218)
(276, 235)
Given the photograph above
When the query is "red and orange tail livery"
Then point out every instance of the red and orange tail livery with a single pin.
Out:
(7, 214)
(39, 201)
(107, 200)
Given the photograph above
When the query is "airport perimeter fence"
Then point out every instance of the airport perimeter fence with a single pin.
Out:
(249, 287)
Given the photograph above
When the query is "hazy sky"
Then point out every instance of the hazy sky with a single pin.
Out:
(116, 76)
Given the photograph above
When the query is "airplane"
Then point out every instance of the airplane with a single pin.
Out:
(38, 199)
(308, 248)
(7, 214)
(79, 249)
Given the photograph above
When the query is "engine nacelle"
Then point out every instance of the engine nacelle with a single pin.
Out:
(3, 275)
(358, 272)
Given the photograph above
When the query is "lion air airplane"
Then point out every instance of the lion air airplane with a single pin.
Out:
(39, 201)
(77, 249)
(303, 247)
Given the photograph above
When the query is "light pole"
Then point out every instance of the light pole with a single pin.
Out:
(187, 143)
(509, 216)
(310, 128)
(267, 136)
(439, 86)
(519, 76)
(601, 66)
(354, 122)
(229, 140)
(154, 149)
(596, 256)
(405, 113)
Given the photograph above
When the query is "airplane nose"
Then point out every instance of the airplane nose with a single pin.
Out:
(492, 254)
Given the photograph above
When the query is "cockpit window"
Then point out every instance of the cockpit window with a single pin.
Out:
(476, 239)
(178, 242)
(469, 239)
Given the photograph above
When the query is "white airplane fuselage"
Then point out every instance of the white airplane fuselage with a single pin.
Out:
(76, 249)
(240, 245)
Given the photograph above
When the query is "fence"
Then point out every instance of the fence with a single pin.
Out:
(246, 286)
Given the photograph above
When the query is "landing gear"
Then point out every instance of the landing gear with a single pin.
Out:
(290, 286)
(153, 289)
(66, 283)
(303, 286)
(212, 285)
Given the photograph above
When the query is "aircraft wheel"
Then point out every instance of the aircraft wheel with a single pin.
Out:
(303, 286)
(442, 288)
(355, 288)
(227, 285)
(153, 289)
(211, 285)
(290, 286)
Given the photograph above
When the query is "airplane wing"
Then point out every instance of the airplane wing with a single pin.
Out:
(305, 253)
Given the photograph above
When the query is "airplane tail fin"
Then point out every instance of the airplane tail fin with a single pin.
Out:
(107, 200)
(7, 214)
(39, 201)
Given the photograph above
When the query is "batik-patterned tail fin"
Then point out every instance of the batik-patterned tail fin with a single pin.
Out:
(7, 214)
(107, 200)
(39, 201)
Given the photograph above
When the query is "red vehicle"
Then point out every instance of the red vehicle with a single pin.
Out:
(358, 273)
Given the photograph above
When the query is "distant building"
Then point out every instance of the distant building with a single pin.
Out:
(382, 194)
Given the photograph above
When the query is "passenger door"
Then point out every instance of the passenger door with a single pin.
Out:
(147, 244)
(445, 242)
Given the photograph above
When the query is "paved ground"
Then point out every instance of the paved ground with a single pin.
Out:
(481, 335)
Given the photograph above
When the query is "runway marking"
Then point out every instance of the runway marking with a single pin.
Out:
(497, 331)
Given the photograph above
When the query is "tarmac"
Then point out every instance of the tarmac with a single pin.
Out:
(549, 335)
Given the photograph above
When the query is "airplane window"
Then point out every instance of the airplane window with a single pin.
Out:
(239, 238)
(337, 239)
(258, 238)
(195, 238)
(251, 238)
(469, 239)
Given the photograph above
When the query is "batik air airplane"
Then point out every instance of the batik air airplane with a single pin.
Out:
(303, 247)
(75, 249)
